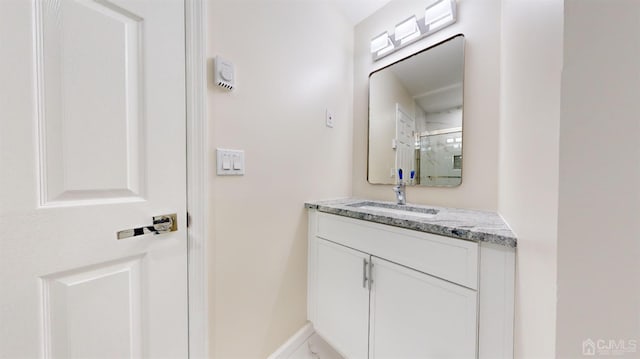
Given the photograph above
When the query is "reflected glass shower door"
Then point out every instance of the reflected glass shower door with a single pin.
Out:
(441, 159)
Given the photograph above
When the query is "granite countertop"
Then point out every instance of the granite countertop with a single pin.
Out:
(472, 225)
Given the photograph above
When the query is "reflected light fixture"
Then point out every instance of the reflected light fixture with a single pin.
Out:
(407, 30)
(438, 15)
(382, 44)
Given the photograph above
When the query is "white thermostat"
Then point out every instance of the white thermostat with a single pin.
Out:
(224, 76)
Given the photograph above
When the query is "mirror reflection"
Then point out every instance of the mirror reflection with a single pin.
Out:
(415, 117)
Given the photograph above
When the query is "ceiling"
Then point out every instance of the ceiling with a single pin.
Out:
(434, 77)
(358, 10)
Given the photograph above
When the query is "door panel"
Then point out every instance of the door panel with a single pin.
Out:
(415, 315)
(106, 298)
(342, 317)
(92, 141)
(89, 70)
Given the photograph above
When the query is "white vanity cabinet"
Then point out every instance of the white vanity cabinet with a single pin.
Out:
(381, 292)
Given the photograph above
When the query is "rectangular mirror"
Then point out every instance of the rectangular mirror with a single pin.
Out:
(415, 117)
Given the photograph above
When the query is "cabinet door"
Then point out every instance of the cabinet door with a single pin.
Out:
(342, 301)
(415, 315)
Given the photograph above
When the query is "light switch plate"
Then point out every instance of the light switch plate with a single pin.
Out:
(230, 162)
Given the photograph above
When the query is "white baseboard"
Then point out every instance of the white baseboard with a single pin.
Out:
(290, 346)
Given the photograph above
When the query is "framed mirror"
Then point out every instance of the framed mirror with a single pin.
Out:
(415, 117)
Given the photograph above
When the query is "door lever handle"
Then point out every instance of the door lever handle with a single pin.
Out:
(161, 224)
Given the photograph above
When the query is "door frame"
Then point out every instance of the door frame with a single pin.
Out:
(197, 174)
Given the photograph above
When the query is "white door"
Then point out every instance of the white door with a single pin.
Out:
(92, 141)
(342, 302)
(405, 142)
(417, 316)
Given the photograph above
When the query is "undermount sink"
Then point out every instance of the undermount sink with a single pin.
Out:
(398, 209)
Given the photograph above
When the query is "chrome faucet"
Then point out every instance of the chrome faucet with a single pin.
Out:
(401, 195)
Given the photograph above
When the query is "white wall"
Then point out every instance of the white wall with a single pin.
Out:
(480, 22)
(531, 65)
(599, 207)
(293, 60)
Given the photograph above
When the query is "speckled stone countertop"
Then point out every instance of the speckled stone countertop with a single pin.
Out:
(472, 225)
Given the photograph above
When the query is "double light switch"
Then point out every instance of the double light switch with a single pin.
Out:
(230, 162)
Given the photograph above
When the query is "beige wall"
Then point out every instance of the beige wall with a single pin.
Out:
(599, 249)
(388, 92)
(531, 65)
(293, 60)
(480, 22)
